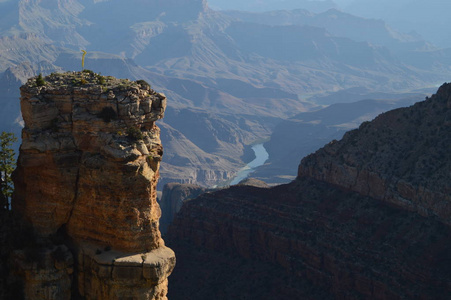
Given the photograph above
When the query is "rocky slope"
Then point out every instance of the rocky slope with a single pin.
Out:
(401, 157)
(367, 217)
(86, 177)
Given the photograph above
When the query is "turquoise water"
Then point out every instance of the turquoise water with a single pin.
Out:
(261, 156)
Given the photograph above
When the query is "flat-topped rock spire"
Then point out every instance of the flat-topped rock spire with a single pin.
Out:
(88, 169)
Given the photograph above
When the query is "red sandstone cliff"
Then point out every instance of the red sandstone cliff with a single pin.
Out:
(86, 176)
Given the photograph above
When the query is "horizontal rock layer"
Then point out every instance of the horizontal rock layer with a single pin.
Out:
(349, 245)
(108, 274)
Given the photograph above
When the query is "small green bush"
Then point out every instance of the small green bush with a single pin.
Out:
(90, 72)
(143, 83)
(39, 80)
(135, 134)
(101, 80)
(79, 82)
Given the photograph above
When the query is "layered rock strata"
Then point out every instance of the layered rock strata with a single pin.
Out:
(367, 217)
(322, 237)
(175, 194)
(87, 171)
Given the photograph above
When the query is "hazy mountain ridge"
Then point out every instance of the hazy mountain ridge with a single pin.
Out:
(409, 48)
(427, 17)
(255, 5)
(204, 35)
(298, 136)
(340, 24)
(203, 59)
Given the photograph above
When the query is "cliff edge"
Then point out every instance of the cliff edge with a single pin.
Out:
(86, 177)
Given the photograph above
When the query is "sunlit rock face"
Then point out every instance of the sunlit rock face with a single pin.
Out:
(88, 169)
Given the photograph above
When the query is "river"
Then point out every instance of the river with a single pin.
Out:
(261, 156)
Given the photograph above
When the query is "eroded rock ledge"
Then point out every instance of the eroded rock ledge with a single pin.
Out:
(87, 171)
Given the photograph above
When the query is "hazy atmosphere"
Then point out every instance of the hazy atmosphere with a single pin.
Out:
(233, 77)
(283, 149)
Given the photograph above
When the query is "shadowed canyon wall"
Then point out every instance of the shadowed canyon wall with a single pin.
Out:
(366, 218)
(86, 183)
(401, 157)
(173, 197)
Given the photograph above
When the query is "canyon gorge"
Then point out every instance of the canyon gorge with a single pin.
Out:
(365, 215)
(366, 218)
(232, 77)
